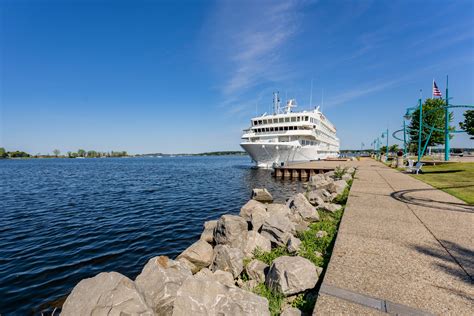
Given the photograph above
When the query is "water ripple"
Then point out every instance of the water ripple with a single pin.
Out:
(64, 220)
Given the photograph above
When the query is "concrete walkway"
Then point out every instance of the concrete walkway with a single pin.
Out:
(403, 247)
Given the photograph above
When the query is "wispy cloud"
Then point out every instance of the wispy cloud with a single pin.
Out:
(251, 39)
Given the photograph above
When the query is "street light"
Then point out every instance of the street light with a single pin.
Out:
(386, 149)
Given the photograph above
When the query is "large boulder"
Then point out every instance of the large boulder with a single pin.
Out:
(208, 232)
(291, 275)
(228, 259)
(255, 213)
(231, 230)
(317, 197)
(250, 207)
(320, 181)
(208, 297)
(299, 204)
(277, 208)
(199, 254)
(256, 270)
(262, 195)
(108, 293)
(159, 281)
(254, 241)
(278, 228)
(220, 276)
(337, 186)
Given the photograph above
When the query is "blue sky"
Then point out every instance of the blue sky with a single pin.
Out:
(186, 76)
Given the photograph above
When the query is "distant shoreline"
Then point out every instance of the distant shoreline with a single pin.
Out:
(214, 153)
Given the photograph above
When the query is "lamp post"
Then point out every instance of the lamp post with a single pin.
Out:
(420, 128)
(385, 134)
(446, 125)
(407, 116)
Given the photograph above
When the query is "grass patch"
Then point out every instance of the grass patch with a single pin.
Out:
(456, 178)
(305, 302)
(274, 299)
(268, 257)
(310, 244)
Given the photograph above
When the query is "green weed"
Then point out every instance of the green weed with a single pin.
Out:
(275, 299)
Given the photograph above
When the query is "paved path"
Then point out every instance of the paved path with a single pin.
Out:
(403, 247)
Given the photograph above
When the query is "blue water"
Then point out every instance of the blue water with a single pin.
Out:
(63, 220)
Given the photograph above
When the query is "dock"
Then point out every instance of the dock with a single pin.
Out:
(302, 171)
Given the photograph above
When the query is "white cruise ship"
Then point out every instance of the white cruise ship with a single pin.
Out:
(287, 136)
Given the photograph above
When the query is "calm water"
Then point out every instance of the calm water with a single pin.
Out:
(63, 220)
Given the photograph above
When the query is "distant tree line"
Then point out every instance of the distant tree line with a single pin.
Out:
(13, 154)
(57, 154)
(95, 154)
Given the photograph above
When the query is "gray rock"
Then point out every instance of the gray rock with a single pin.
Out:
(224, 277)
(108, 293)
(254, 212)
(315, 197)
(330, 207)
(258, 218)
(350, 170)
(254, 241)
(318, 254)
(159, 281)
(256, 270)
(321, 234)
(277, 208)
(204, 298)
(204, 274)
(199, 254)
(293, 245)
(346, 177)
(231, 230)
(250, 207)
(278, 229)
(208, 232)
(262, 195)
(337, 187)
(220, 276)
(291, 275)
(188, 264)
(300, 205)
(291, 311)
(228, 259)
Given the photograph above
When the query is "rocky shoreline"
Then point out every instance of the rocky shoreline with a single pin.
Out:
(267, 260)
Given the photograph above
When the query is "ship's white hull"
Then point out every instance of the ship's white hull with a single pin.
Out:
(266, 155)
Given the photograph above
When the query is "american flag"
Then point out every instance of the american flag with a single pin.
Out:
(436, 92)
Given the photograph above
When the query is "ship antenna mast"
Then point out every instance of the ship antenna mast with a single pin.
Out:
(276, 103)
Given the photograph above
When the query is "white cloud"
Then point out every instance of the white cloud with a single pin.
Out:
(250, 40)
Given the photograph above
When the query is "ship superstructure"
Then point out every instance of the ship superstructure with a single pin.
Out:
(287, 136)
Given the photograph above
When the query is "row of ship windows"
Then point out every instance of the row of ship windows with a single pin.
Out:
(276, 129)
(284, 120)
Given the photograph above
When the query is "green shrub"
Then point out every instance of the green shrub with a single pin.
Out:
(339, 172)
(275, 299)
